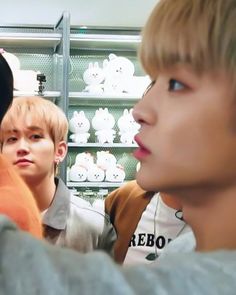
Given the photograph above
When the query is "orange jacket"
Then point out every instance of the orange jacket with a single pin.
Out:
(17, 202)
(125, 206)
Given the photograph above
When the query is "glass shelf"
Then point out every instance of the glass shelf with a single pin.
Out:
(104, 41)
(46, 94)
(84, 98)
(105, 145)
(39, 40)
(94, 184)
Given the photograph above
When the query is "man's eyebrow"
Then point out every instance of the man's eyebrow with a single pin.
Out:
(34, 127)
(13, 130)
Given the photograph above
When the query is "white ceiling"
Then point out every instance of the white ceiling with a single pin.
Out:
(125, 13)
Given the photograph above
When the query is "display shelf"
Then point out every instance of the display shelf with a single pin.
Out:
(86, 99)
(46, 94)
(95, 184)
(89, 45)
(105, 145)
(103, 96)
(104, 41)
(29, 40)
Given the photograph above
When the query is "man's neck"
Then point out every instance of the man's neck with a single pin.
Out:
(171, 201)
(43, 191)
(211, 216)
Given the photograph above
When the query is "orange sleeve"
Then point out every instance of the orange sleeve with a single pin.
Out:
(17, 202)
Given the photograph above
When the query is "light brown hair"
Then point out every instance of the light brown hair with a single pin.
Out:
(201, 33)
(37, 110)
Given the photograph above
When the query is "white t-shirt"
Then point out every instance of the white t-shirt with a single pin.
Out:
(157, 227)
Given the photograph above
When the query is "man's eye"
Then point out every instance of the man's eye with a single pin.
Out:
(149, 87)
(175, 85)
(36, 136)
(11, 139)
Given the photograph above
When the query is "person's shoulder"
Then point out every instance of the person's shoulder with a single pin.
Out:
(84, 208)
(79, 202)
(128, 190)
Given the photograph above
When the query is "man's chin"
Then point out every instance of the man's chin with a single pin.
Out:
(145, 182)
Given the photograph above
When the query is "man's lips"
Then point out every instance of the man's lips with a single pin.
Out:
(141, 152)
(22, 161)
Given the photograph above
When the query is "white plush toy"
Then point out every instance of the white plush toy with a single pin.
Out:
(78, 173)
(138, 84)
(128, 128)
(105, 160)
(84, 159)
(95, 174)
(79, 125)
(24, 80)
(93, 77)
(103, 122)
(118, 71)
(12, 60)
(115, 174)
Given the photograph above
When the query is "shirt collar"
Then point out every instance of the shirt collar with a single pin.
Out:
(58, 212)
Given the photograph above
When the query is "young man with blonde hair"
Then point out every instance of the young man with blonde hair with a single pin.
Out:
(33, 138)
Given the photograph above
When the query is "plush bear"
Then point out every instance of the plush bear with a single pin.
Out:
(103, 122)
(105, 160)
(115, 174)
(119, 77)
(95, 174)
(78, 173)
(79, 125)
(128, 128)
(118, 72)
(93, 77)
(84, 159)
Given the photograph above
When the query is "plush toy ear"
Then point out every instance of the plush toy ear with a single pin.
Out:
(81, 113)
(126, 112)
(112, 56)
(105, 63)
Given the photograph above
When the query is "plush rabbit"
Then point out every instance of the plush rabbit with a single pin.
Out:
(118, 71)
(95, 174)
(115, 174)
(103, 122)
(93, 77)
(79, 125)
(78, 173)
(84, 159)
(105, 160)
(128, 128)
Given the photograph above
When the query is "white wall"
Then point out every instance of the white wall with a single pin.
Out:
(127, 13)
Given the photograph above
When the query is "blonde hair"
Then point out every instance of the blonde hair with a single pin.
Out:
(39, 110)
(201, 33)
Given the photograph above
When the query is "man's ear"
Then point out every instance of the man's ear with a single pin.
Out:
(60, 152)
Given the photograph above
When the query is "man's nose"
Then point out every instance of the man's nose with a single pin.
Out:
(23, 147)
